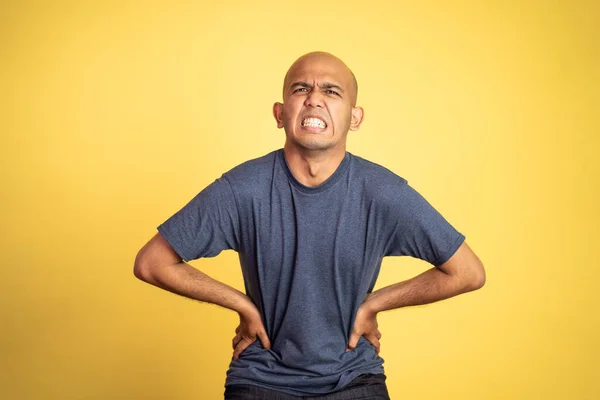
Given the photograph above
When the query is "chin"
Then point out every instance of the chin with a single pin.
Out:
(313, 145)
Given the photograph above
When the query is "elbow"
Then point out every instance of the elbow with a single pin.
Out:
(476, 278)
(141, 267)
(152, 258)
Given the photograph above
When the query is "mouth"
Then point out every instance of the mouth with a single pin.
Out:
(314, 122)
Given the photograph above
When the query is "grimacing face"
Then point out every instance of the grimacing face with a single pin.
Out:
(318, 106)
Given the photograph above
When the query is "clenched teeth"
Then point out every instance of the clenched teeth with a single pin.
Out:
(313, 123)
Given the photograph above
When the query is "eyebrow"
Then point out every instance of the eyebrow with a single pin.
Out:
(325, 85)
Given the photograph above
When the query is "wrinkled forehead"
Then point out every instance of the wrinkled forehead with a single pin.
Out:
(318, 71)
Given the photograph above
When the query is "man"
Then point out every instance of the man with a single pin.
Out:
(311, 224)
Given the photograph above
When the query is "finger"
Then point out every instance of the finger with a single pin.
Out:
(374, 341)
(264, 340)
(353, 341)
(237, 330)
(241, 346)
(234, 342)
(378, 334)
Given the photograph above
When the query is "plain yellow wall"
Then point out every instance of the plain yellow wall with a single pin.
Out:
(114, 114)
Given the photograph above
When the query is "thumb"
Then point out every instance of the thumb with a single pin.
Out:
(264, 340)
(353, 341)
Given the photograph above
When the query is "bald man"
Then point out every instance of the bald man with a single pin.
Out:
(311, 223)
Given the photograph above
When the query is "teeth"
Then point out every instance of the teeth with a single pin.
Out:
(313, 122)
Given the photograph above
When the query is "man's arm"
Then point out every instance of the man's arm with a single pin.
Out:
(158, 264)
(462, 273)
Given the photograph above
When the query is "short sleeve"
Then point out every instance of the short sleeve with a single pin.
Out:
(205, 226)
(419, 230)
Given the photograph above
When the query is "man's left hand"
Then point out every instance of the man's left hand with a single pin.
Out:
(365, 325)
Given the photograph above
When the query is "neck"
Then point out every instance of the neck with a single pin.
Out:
(313, 167)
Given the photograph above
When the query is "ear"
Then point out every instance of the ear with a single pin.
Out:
(278, 114)
(357, 116)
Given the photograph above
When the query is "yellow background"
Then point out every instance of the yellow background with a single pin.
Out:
(115, 114)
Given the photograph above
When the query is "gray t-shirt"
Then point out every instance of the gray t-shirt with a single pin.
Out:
(309, 256)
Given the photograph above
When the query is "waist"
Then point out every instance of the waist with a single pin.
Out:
(302, 374)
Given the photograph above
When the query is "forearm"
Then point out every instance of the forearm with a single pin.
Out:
(185, 280)
(430, 286)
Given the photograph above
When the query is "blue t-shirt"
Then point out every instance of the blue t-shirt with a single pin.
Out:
(309, 256)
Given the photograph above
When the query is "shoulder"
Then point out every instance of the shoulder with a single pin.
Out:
(370, 169)
(376, 179)
(251, 168)
(252, 174)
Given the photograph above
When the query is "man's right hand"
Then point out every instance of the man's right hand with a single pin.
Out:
(250, 328)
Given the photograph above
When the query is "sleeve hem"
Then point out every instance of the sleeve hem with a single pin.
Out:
(179, 250)
(450, 252)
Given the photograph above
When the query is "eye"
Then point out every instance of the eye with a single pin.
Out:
(329, 91)
(300, 89)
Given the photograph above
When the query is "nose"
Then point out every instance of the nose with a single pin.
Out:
(314, 99)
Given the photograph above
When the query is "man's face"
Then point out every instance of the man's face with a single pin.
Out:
(318, 104)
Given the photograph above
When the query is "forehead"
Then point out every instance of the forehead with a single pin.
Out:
(319, 70)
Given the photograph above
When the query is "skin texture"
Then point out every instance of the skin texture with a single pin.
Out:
(316, 85)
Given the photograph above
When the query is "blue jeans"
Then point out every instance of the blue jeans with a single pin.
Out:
(364, 387)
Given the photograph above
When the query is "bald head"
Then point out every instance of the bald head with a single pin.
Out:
(327, 64)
